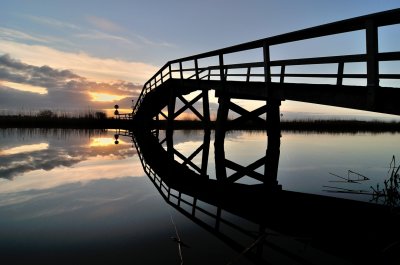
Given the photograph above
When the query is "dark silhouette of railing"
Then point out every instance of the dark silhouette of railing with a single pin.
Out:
(221, 72)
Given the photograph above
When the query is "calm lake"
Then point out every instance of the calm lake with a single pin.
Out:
(76, 197)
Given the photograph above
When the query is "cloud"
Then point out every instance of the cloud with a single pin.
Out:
(95, 68)
(44, 76)
(98, 35)
(103, 24)
(12, 34)
(64, 88)
(52, 22)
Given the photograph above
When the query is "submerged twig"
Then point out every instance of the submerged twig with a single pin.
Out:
(178, 240)
(388, 195)
(255, 243)
(360, 177)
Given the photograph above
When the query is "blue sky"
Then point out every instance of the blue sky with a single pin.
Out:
(113, 47)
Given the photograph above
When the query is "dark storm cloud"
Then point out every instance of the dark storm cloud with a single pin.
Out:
(45, 76)
(64, 88)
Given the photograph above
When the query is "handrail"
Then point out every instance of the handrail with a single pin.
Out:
(372, 57)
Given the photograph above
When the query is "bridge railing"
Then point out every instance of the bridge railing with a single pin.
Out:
(260, 69)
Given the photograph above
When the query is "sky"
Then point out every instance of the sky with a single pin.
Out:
(89, 54)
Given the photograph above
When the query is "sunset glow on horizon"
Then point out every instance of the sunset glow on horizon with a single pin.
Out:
(104, 97)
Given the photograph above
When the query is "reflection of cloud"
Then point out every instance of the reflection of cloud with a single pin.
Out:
(24, 149)
(57, 154)
(75, 197)
(14, 165)
(65, 88)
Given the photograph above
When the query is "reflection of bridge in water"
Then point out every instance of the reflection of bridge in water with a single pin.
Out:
(264, 222)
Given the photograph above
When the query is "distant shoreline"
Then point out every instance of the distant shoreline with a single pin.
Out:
(112, 123)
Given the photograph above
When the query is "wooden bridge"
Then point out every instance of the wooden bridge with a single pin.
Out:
(268, 80)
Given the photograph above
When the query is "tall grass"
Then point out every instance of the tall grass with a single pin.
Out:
(52, 119)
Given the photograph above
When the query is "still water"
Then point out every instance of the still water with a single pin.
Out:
(76, 197)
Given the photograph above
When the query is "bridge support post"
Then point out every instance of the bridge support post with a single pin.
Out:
(222, 116)
(274, 142)
(206, 151)
(170, 120)
(206, 109)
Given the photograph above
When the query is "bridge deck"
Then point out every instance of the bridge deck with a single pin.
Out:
(354, 97)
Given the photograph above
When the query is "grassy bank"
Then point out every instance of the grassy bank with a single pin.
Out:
(29, 122)
(62, 121)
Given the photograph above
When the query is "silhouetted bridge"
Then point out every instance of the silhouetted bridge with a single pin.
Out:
(257, 77)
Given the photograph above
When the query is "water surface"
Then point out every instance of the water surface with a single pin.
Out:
(74, 196)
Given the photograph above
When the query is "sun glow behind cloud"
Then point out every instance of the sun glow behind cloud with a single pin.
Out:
(25, 87)
(104, 97)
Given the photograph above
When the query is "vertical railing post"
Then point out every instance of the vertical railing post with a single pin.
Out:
(282, 76)
(196, 68)
(221, 67)
(180, 70)
(194, 206)
(339, 80)
(248, 74)
(267, 67)
(179, 198)
(170, 70)
(371, 33)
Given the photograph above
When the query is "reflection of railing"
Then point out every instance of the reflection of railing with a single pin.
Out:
(247, 217)
(260, 242)
(245, 71)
